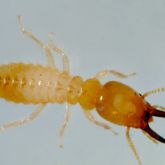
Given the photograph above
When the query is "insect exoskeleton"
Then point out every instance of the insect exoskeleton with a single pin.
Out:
(27, 83)
(114, 101)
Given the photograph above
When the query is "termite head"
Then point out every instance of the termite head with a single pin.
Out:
(122, 105)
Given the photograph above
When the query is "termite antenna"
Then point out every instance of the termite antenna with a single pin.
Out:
(20, 21)
(158, 90)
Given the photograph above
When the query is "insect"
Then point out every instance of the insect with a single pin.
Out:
(114, 101)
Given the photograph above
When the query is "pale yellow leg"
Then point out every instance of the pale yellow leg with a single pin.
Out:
(23, 121)
(59, 51)
(91, 118)
(106, 73)
(132, 145)
(65, 123)
(46, 48)
(158, 90)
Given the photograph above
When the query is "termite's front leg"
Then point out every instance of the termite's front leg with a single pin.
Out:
(106, 73)
(91, 118)
(130, 142)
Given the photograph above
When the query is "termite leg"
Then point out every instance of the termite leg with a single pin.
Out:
(65, 123)
(29, 118)
(106, 73)
(47, 50)
(132, 145)
(158, 90)
(59, 51)
(91, 118)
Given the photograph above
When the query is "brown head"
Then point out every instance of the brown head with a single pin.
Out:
(122, 105)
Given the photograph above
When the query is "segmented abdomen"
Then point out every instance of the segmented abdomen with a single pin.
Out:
(27, 83)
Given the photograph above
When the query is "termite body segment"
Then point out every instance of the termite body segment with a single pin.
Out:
(36, 84)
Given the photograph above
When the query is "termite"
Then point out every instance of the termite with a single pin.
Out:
(113, 101)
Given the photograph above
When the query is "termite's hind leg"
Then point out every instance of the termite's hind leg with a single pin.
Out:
(106, 73)
(132, 145)
(47, 50)
(65, 123)
(29, 118)
(52, 46)
(91, 118)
